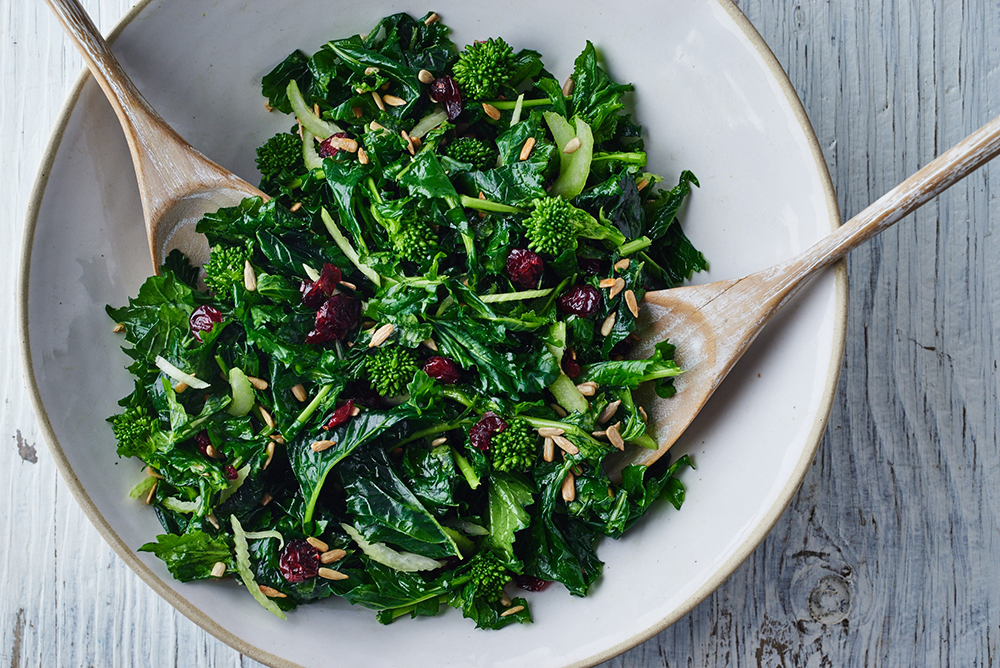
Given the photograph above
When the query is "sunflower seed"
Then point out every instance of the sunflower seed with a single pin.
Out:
(432, 18)
(606, 283)
(600, 433)
(270, 592)
(316, 111)
(258, 383)
(299, 392)
(573, 145)
(393, 101)
(587, 389)
(512, 611)
(569, 487)
(270, 455)
(150, 471)
(180, 387)
(213, 453)
(268, 108)
(529, 144)
(630, 301)
(330, 574)
(349, 285)
(358, 111)
(430, 343)
(295, 207)
(249, 277)
(375, 125)
(331, 556)
(152, 491)
(616, 288)
(320, 446)
(318, 544)
(642, 412)
(119, 328)
(266, 499)
(439, 441)
(566, 445)
(219, 569)
(213, 520)
(370, 71)
(378, 101)
(641, 184)
(355, 411)
(608, 324)
(362, 156)
(277, 438)
(560, 411)
(616, 438)
(548, 450)
(622, 264)
(343, 143)
(425, 77)
(491, 111)
(549, 432)
(609, 411)
(266, 417)
(568, 87)
(409, 141)
(381, 335)
(505, 600)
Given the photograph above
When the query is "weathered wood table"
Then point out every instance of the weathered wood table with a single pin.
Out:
(890, 553)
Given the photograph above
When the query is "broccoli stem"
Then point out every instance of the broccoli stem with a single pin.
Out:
(466, 468)
(567, 394)
(307, 412)
(487, 205)
(635, 245)
(526, 104)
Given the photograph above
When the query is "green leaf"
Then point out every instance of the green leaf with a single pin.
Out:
(191, 556)
(508, 497)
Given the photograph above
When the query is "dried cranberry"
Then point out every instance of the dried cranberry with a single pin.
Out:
(314, 293)
(444, 89)
(524, 268)
(442, 370)
(581, 300)
(530, 582)
(299, 561)
(482, 432)
(570, 366)
(203, 442)
(335, 317)
(203, 319)
(589, 266)
(326, 150)
(230, 472)
(340, 416)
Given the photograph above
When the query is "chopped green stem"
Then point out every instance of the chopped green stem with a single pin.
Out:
(458, 395)
(430, 431)
(515, 296)
(526, 104)
(487, 205)
(374, 190)
(466, 468)
(307, 412)
(222, 365)
(635, 245)
(638, 158)
(348, 250)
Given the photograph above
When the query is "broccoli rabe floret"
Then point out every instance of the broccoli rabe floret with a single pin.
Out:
(225, 267)
(282, 152)
(514, 448)
(489, 575)
(411, 236)
(133, 430)
(555, 225)
(390, 369)
(483, 67)
(472, 151)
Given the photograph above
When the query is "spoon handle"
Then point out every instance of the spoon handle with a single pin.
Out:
(943, 172)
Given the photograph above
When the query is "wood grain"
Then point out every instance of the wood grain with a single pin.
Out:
(894, 537)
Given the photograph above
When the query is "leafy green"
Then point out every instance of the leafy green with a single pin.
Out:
(191, 556)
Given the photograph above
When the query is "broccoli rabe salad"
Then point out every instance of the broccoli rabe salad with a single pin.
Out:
(398, 380)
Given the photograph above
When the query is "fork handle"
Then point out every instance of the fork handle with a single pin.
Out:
(943, 172)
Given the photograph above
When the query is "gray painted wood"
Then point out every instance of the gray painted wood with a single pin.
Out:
(887, 556)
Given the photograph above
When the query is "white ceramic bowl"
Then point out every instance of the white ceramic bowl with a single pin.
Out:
(712, 99)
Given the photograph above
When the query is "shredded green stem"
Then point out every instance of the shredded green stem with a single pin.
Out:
(526, 104)
(307, 412)
(633, 246)
(487, 205)
(515, 296)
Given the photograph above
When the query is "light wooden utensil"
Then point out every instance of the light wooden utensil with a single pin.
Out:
(177, 183)
(712, 325)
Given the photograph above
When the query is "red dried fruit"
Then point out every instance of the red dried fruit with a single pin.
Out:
(203, 442)
(314, 293)
(482, 432)
(445, 90)
(525, 268)
(580, 300)
(570, 366)
(530, 582)
(335, 317)
(442, 369)
(203, 319)
(340, 416)
(230, 472)
(328, 151)
(299, 561)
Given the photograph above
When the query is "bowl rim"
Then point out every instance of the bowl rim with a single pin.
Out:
(196, 615)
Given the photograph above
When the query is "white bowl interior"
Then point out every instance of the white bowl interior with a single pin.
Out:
(710, 102)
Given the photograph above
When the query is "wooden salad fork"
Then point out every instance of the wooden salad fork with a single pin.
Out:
(712, 325)
(177, 184)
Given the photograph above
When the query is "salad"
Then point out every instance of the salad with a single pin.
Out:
(398, 379)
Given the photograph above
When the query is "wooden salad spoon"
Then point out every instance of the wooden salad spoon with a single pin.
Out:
(712, 325)
(177, 184)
